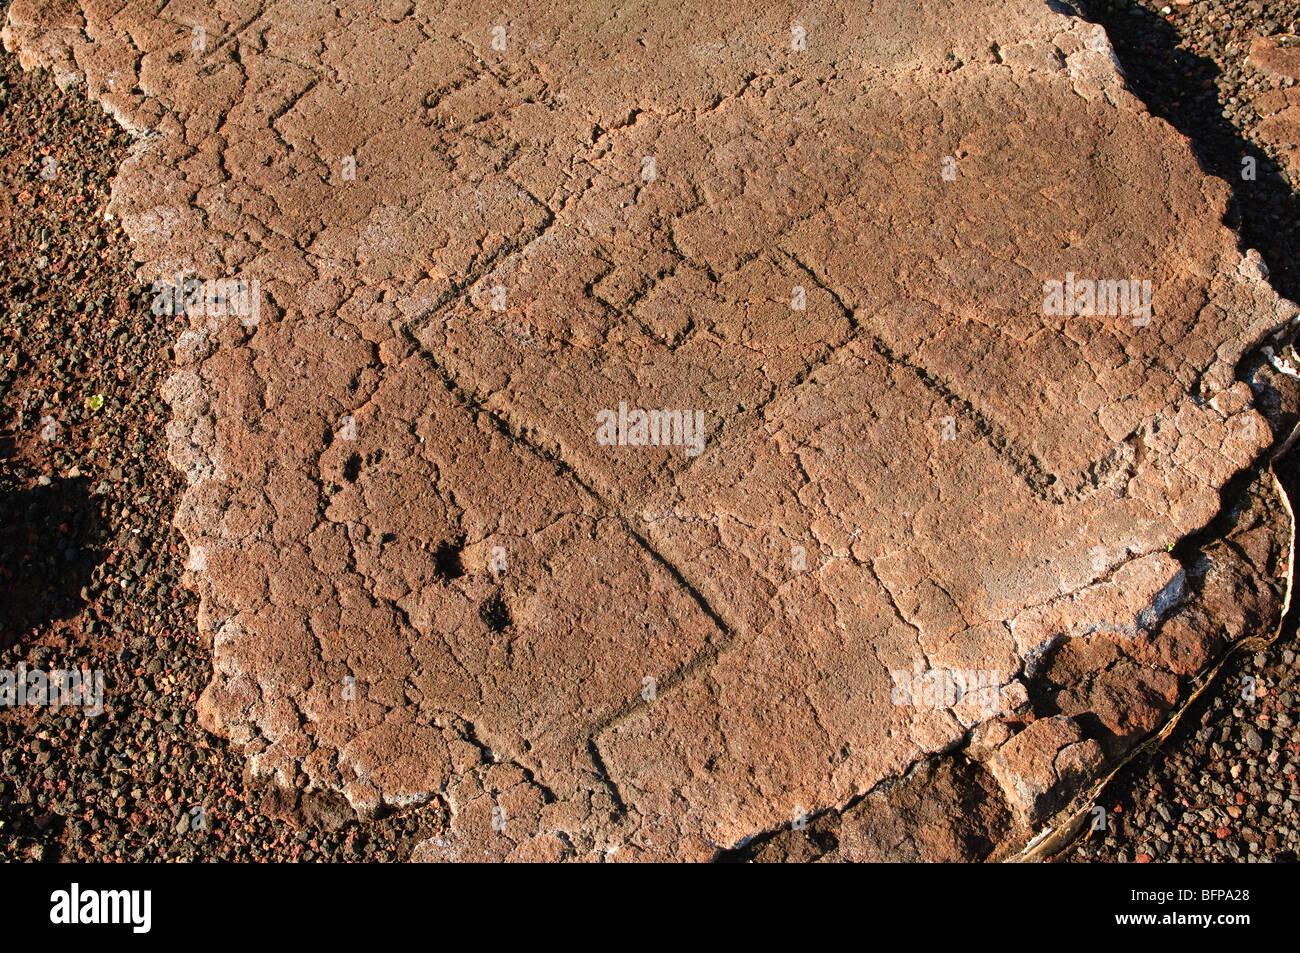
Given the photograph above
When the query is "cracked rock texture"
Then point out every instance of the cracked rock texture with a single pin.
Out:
(475, 228)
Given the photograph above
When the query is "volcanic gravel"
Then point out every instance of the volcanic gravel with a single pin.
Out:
(1224, 786)
(90, 566)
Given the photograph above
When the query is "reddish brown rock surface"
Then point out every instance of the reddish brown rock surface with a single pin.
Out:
(827, 233)
(1278, 59)
(1276, 56)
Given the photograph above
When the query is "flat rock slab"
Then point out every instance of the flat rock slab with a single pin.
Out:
(442, 553)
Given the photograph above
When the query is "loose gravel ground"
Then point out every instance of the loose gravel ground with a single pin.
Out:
(1224, 787)
(90, 567)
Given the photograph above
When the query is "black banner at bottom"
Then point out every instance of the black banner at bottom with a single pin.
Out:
(140, 904)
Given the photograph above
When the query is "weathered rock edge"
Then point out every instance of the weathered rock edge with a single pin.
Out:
(949, 807)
